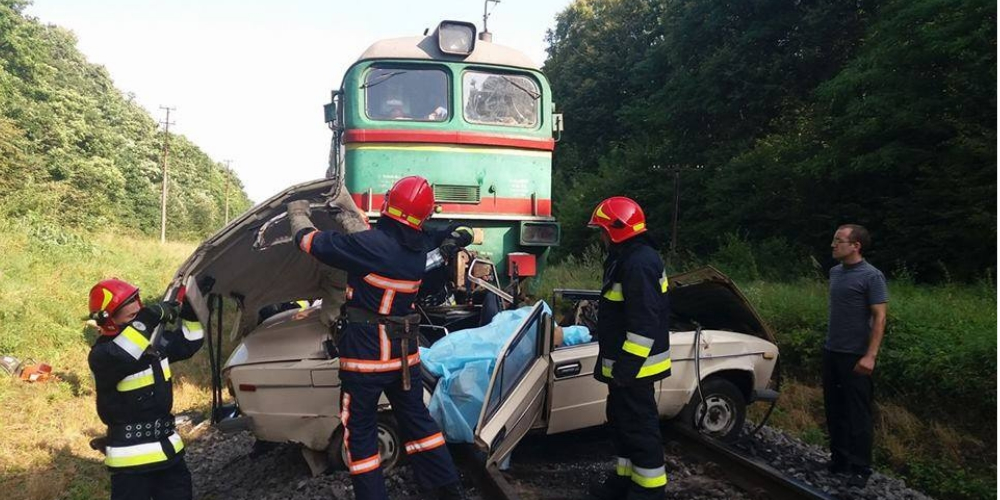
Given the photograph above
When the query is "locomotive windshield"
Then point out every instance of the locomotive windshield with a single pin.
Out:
(498, 99)
(407, 94)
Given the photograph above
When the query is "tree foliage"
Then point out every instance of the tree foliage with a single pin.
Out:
(784, 119)
(76, 150)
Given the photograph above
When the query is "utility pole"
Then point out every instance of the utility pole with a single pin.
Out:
(486, 36)
(163, 193)
(677, 205)
(229, 174)
(676, 169)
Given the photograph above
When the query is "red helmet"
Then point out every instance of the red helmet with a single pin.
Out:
(410, 201)
(621, 217)
(106, 297)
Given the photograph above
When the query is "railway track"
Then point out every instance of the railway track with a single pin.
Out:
(532, 479)
(755, 478)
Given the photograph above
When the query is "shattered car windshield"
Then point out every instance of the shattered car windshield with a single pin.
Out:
(495, 99)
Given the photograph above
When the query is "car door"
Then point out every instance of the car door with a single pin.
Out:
(516, 395)
(576, 398)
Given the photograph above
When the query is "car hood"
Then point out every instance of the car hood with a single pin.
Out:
(709, 298)
(253, 260)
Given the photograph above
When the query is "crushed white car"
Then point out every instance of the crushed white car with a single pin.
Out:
(284, 376)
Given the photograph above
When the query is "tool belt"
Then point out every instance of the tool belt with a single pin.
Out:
(396, 327)
(140, 432)
(402, 328)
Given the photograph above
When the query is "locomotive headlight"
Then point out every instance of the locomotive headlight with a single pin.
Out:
(456, 37)
(540, 234)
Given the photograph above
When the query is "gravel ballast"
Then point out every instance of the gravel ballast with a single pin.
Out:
(226, 466)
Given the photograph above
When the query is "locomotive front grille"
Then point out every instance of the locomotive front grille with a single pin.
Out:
(450, 193)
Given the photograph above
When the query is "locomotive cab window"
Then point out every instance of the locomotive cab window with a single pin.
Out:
(500, 99)
(407, 94)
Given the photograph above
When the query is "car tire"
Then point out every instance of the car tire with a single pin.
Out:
(727, 410)
(390, 445)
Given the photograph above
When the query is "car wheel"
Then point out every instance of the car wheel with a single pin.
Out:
(390, 444)
(722, 414)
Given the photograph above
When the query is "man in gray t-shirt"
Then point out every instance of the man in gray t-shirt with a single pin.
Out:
(858, 297)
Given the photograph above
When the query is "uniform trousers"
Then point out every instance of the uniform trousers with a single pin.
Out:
(424, 442)
(635, 430)
(848, 399)
(171, 483)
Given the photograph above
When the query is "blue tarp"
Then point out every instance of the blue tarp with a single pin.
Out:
(463, 361)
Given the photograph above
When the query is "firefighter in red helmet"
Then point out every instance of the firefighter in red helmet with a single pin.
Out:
(634, 340)
(377, 343)
(134, 389)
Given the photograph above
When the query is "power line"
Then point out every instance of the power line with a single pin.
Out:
(163, 193)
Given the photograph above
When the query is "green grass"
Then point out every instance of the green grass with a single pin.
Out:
(935, 377)
(46, 274)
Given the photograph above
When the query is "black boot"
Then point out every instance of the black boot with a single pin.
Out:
(611, 487)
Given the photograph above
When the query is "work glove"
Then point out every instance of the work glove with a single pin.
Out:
(298, 207)
(152, 315)
(167, 311)
(448, 248)
(460, 237)
(347, 213)
(187, 311)
(298, 216)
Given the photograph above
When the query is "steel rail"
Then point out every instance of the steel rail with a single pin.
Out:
(757, 479)
(486, 477)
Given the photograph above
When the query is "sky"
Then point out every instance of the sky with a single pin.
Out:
(249, 78)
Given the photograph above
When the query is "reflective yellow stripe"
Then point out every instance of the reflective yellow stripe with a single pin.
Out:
(303, 304)
(107, 299)
(143, 378)
(633, 348)
(637, 344)
(606, 366)
(399, 213)
(655, 365)
(624, 467)
(192, 330)
(600, 213)
(132, 342)
(639, 227)
(140, 454)
(136, 383)
(615, 293)
(649, 478)
(135, 337)
(664, 283)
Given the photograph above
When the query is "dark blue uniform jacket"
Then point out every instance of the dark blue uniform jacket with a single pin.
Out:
(632, 324)
(385, 266)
